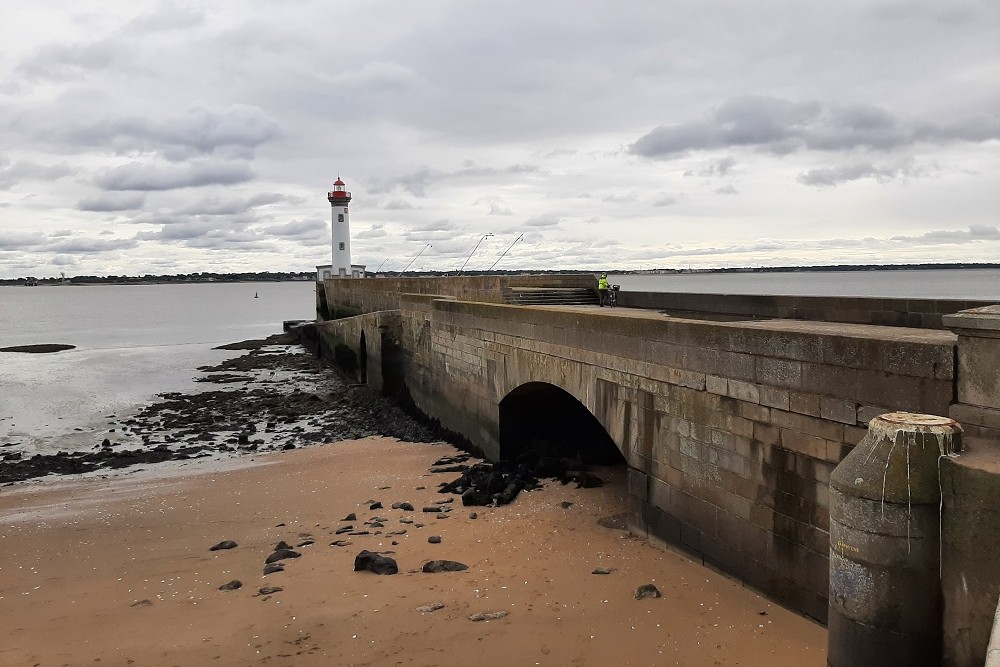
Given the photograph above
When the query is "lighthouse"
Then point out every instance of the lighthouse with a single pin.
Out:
(339, 198)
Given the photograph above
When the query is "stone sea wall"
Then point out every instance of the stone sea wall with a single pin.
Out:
(730, 430)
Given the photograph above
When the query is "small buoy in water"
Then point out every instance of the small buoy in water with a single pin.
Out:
(255, 295)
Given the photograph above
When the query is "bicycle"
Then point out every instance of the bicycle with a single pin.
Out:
(613, 295)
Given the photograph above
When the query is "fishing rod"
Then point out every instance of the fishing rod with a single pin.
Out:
(415, 257)
(474, 251)
(519, 238)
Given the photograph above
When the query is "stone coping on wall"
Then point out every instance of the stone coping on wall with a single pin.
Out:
(647, 323)
(888, 311)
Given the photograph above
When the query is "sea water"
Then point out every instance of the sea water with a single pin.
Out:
(973, 284)
(132, 342)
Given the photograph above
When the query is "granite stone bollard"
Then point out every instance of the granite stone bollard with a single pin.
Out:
(885, 595)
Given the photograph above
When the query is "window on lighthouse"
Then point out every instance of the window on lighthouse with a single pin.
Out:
(341, 245)
(340, 217)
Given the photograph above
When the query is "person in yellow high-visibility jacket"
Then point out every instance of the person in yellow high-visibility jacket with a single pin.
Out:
(602, 288)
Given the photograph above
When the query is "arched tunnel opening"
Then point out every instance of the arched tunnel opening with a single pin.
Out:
(540, 420)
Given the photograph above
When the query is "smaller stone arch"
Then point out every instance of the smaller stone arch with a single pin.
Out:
(542, 418)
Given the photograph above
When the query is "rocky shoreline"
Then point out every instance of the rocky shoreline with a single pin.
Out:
(276, 396)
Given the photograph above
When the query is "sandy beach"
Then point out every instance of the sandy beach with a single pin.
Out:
(118, 571)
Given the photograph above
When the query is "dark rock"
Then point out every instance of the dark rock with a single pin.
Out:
(231, 586)
(475, 498)
(288, 446)
(566, 504)
(271, 568)
(487, 615)
(647, 591)
(473, 515)
(224, 544)
(375, 563)
(444, 566)
(432, 509)
(305, 543)
(508, 494)
(601, 570)
(344, 529)
(586, 480)
(350, 517)
(270, 590)
(282, 545)
(142, 603)
(340, 543)
(282, 554)
(433, 606)
(434, 539)
(406, 507)
(375, 506)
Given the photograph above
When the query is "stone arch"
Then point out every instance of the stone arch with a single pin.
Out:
(539, 416)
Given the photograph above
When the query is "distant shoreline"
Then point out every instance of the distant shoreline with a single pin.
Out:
(307, 276)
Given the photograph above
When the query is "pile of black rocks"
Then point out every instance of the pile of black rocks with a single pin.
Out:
(483, 484)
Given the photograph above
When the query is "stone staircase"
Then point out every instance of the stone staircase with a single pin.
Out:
(550, 296)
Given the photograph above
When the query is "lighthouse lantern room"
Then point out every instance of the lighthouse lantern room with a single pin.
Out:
(339, 199)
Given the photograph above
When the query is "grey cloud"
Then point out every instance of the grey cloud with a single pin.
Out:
(151, 177)
(666, 200)
(972, 234)
(376, 231)
(544, 220)
(622, 198)
(829, 177)
(111, 202)
(16, 240)
(300, 229)
(85, 245)
(71, 60)
(65, 260)
(61, 232)
(166, 16)
(497, 209)
(418, 181)
(780, 126)
(726, 190)
(232, 132)
(434, 226)
(12, 173)
(398, 205)
(720, 167)
(233, 206)
(376, 75)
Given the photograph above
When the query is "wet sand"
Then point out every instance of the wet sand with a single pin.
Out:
(118, 571)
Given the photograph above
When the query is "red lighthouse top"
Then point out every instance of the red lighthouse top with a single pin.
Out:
(339, 194)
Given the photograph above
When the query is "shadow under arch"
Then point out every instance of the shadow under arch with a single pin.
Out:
(542, 418)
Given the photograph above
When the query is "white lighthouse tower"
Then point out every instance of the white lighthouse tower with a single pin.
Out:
(339, 198)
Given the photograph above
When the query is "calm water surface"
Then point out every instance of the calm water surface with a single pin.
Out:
(977, 284)
(132, 342)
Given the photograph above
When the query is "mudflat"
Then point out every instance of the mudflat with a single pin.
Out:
(120, 570)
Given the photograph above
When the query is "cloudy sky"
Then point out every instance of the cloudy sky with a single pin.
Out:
(173, 137)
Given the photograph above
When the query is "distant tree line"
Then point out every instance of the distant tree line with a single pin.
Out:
(147, 279)
(277, 276)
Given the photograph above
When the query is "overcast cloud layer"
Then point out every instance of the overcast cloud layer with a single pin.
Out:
(164, 137)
